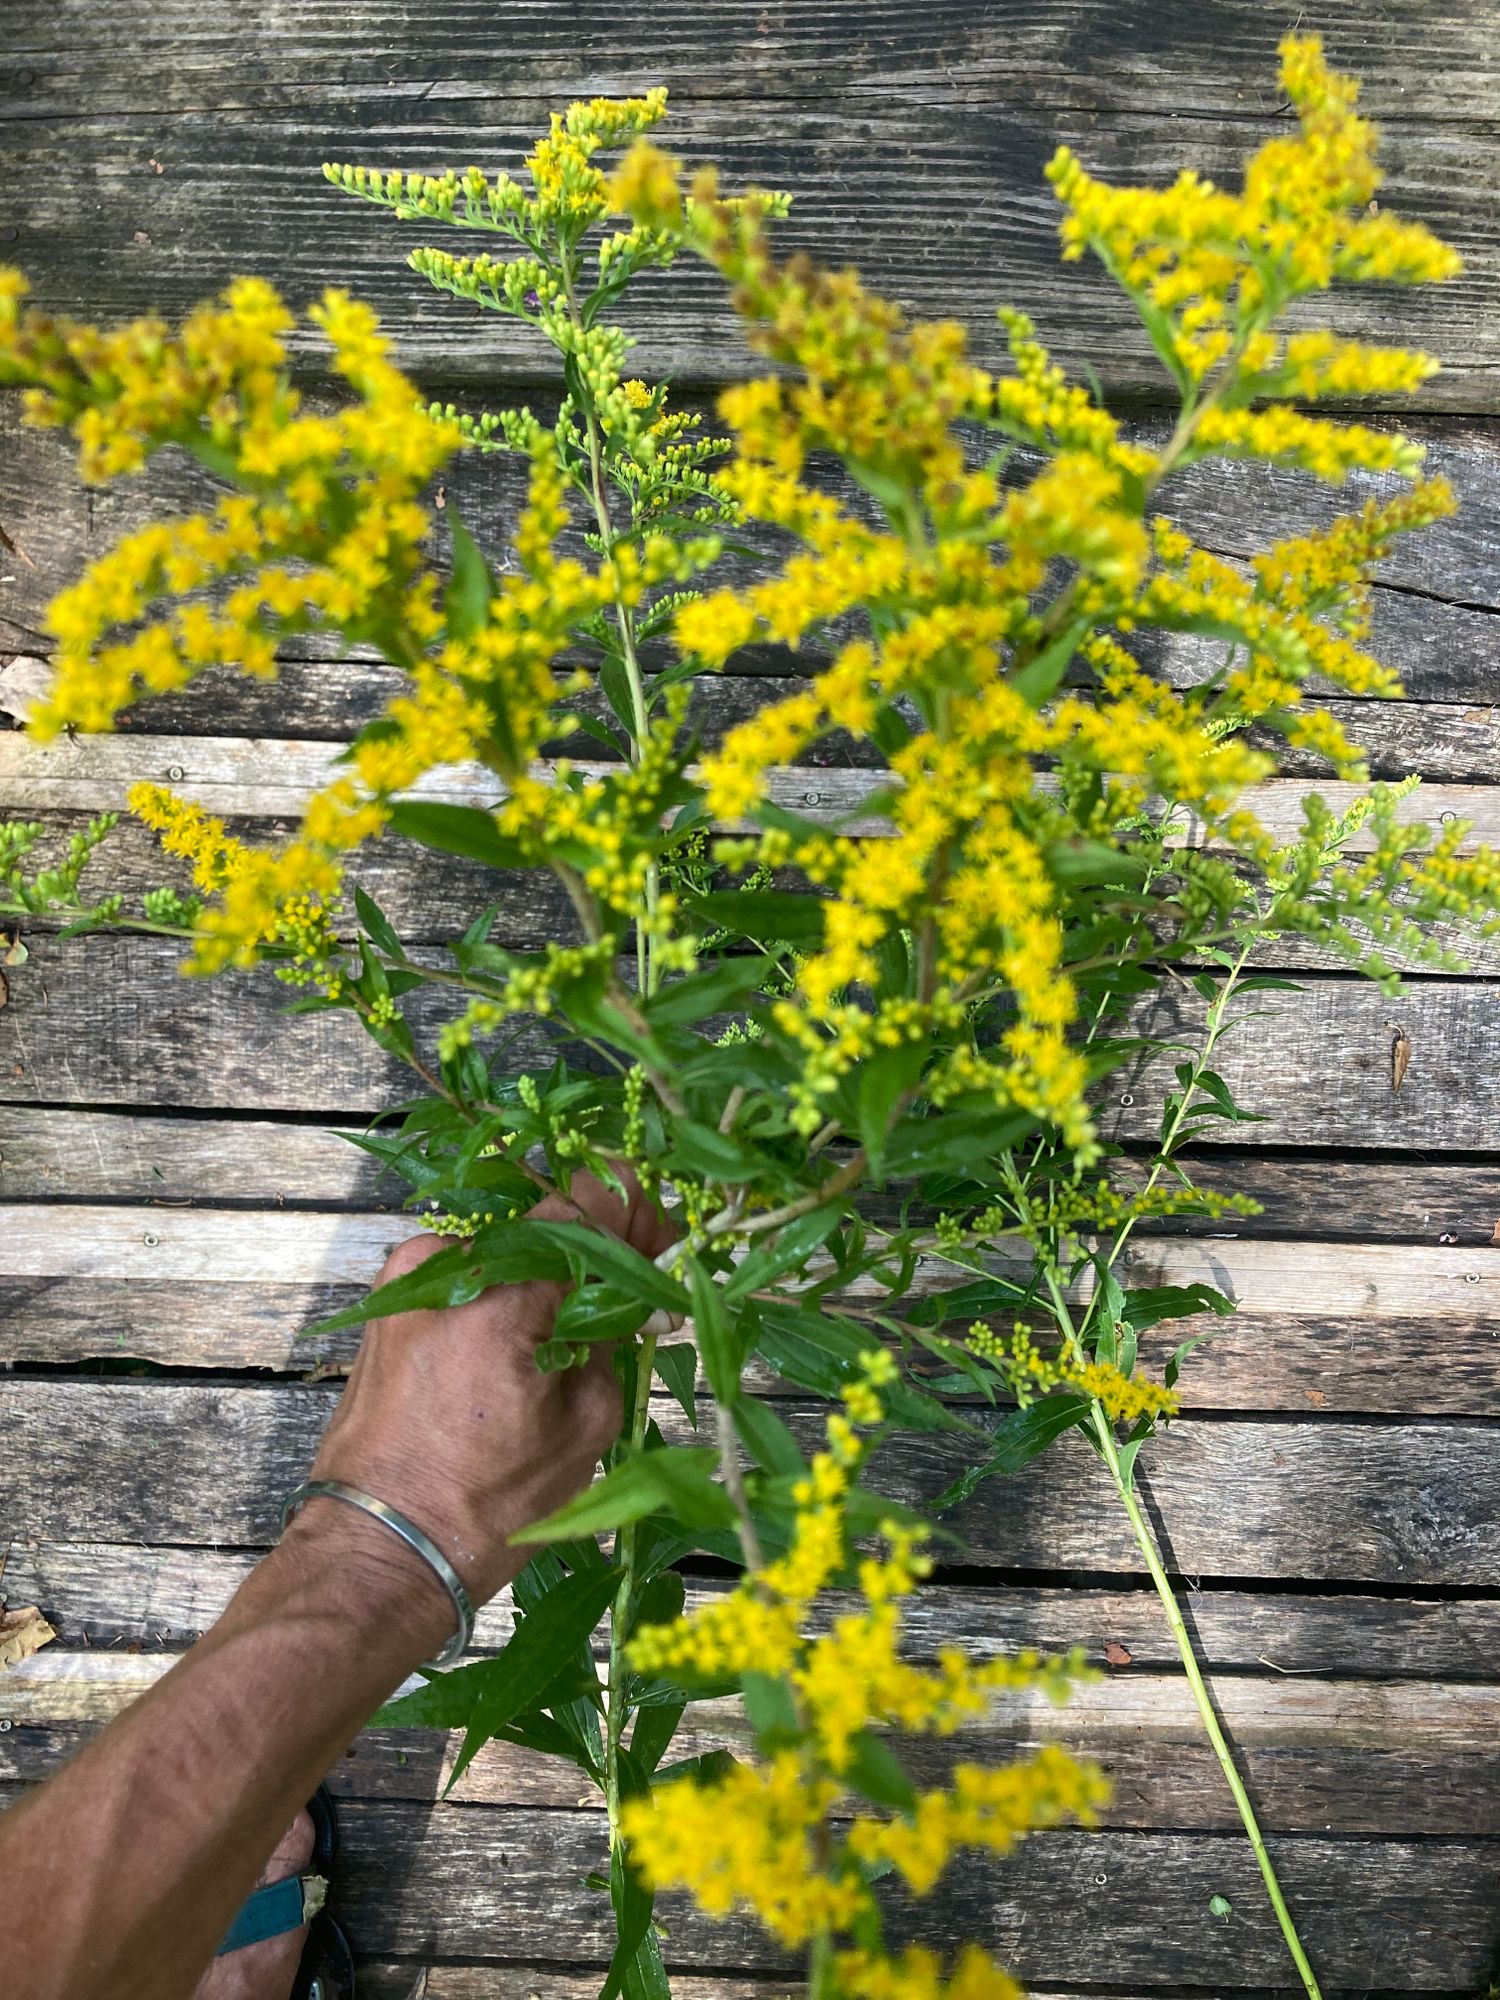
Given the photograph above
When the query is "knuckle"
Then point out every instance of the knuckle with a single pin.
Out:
(409, 1255)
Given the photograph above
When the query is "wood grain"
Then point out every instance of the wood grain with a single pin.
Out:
(1408, 1504)
(242, 192)
(502, 1884)
(117, 1594)
(101, 1020)
(1432, 607)
(1352, 1758)
(1423, 59)
(1321, 1327)
(51, 1153)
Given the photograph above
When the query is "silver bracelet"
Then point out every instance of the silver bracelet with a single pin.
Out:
(411, 1534)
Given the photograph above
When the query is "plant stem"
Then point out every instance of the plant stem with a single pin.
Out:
(1109, 1451)
(630, 660)
(614, 1720)
(1146, 1542)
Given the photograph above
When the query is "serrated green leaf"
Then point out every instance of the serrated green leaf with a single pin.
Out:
(675, 1477)
(769, 916)
(466, 601)
(461, 830)
(767, 1438)
(677, 1365)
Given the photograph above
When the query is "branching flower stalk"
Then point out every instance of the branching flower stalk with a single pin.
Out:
(926, 996)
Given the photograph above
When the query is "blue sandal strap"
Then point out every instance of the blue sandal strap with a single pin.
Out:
(272, 1911)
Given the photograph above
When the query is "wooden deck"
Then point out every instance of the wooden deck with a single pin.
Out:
(168, 1194)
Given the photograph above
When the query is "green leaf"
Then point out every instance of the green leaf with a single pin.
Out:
(771, 1709)
(719, 1340)
(503, 1253)
(632, 1901)
(788, 1250)
(1035, 682)
(966, 1302)
(489, 1693)
(941, 1141)
(462, 830)
(816, 1352)
(769, 916)
(712, 1156)
(884, 1078)
(466, 601)
(1015, 1443)
(685, 1001)
(1092, 864)
(675, 1477)
(767, 1438)
(677, 1365)
(876, 1773)
(377, 924)
(607, 1257)
(1152, 1304)
(614, 683)
(599, 1312)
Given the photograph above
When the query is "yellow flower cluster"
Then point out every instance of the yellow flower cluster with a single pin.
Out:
(1124, 1397)
(326, 538)
(987, 1810)
(960, 585)
(283, 899)
(1208, 269)
(567, 187)
(917, 1974)
(761, 1836)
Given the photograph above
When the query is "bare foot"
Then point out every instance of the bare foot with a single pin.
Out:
(265, 1971)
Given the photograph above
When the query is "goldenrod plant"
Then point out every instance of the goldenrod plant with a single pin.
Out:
(765, 1014)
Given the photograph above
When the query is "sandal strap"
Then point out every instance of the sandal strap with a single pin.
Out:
(275, 1909)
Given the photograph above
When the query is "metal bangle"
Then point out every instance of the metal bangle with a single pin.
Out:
(411, 1534)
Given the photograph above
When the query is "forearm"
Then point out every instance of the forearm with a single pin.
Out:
(120, 1877)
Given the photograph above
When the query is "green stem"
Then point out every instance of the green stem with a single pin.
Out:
(625, 624)
(820, 1966)
(1109, 1451)
(615, 1705)
(1146, 1542)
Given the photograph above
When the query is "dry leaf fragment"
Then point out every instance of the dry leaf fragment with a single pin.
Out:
(1495, 1233)
(1400, 1056)
(23, 1632)
(1116, 1654)
(1316, 1397)
(23, 684)
(19, 554)
(4, 991)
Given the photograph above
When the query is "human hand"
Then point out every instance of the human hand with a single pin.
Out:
(447, 1417)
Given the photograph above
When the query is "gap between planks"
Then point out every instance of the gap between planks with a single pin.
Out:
(1427, 1752)
(1408, 1506)
(273, 779)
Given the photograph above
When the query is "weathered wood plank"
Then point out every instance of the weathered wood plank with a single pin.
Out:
(1425, 60)
(1323, 1327)
(49, 1154)
(243, 192)
(504, 1884)
(393, 1979)
(104, 1020)
(111, 1155)
(1431, 607)
(272, 778)
(1406, 1504)
(1406, 1758)
(110, 1594)
(1300, 1363)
